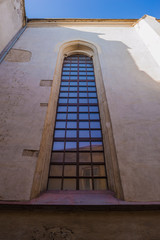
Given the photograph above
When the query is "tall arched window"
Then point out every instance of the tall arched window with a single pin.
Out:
(77, 159)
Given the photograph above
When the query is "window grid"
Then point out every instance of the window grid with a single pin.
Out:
(77, 159)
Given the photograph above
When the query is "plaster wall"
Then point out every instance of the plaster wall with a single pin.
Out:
(132, 84)
(11, 20)
(42, 224)
(149, 30)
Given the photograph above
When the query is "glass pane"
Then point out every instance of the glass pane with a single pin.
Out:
(63, 100)
(82, 84)
(72, 100)
(84, 89)
(99, 171)
(63, 94)
(71, 124)
(65, 77)
(94, 116)
(100, 184)
(85, 171)
(93, 109)
(92, 94)
(62, 109)
(60, 124)
(64, 83)
(83, 109)
(69, 184)
(73, 89)
(84, 146)
(57, 157)
(61, 116)
(98, 157)
(91, 84)
(69, 171)
(83, 134)
(70, 157)
(58, 145)
(72, 109)
(83, 100)
(91, 89)
(83, 124)
(72, 94)
(96, 134)
(85, 184)
(97, 146)
(73, 83)
(59, 133)
(72, 116)
(54, 184)
(71, 134)
(56, 170)
(84, 157)
(95, 124)
(83, 116)
(82, 94)
(64, 89)
(93, 100)
(71, 146)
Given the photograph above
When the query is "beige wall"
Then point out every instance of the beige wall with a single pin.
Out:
(131, 78)
(11, 20)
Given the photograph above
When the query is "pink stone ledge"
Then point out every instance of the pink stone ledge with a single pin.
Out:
(83, 198)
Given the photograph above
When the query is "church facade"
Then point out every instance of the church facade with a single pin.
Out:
(80, 131)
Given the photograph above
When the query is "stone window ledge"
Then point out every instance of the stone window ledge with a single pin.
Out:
(89, 200)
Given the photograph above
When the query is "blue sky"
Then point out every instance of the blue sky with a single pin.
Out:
(92, 8)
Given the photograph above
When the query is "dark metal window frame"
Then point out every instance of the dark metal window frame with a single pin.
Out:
(92, 164)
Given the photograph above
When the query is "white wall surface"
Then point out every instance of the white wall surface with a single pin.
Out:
(131, 78)
(11, 20)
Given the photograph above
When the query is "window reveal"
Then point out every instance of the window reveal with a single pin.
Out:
(77, 159)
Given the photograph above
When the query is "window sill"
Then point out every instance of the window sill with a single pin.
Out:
(83, 200)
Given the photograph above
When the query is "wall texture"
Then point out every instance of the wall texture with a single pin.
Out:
(51, 224)
(131, 78)
(11, 20)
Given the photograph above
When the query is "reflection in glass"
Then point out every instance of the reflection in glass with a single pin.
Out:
(72, 94)
(69, 171)
(84, 146)
(60, 124)
(99, 171)
(71, 124)
(100, 184)
(84, 157)
(83, 134)
(97, 146)
(71, 134)
(58, 146)
(57, 157)
(83, 124)
(83, 116)
(98, 157)
(56, 170)
(93, 109)
(69, 184)
(85, 171)
(94, 116)
(93, 100)
(95, 124)
(62, 109)
(82, 94)
(70, 156)
(83, 100)
(72, 109)
(59, 133)
(72, 100)
(83, 109)
(61, 116)
(63, 100)
(63, 94)
(85, 184)
(72, 116)
(54, 184)
(71, 146)
(96, 134)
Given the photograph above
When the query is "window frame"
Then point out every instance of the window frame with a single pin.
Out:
(42, 166)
